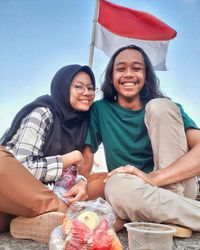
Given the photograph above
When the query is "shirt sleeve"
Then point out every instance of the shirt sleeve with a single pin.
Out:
(188, 122)
(93, 137)
(27, 144)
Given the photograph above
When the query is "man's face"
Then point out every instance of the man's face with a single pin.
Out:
(129, 75)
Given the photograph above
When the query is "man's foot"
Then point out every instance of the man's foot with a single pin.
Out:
(38, 228)
(119, 224)
(182, 232)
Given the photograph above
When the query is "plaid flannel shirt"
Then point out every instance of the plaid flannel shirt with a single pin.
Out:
(26, 145)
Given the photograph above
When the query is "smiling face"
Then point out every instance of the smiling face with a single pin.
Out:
(81, 92)
(129, 77)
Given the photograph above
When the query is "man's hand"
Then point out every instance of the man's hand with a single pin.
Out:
(77, 193)
(128, 169)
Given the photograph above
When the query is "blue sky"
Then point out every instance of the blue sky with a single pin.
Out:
(37, 37)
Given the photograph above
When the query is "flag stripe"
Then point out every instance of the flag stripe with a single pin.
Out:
(131, 23)
(109, 43)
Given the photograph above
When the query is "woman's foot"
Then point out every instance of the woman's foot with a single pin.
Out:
(38, 228)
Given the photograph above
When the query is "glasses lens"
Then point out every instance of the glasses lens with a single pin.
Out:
(80, 89)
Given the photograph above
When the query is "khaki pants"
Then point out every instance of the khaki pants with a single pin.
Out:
(21, 194)
(132, 198)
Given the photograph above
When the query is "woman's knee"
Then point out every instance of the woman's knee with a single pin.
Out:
(95, 187)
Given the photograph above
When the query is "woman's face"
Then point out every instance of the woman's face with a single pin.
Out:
(82, 92)
(129, 75)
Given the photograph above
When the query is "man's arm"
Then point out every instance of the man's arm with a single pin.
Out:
(184, 168)
(88, 157)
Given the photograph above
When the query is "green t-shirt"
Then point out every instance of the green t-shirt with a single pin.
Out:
(123, 134)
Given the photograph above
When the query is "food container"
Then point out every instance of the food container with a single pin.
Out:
(149, 236)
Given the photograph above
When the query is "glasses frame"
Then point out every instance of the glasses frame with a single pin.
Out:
(84, 87)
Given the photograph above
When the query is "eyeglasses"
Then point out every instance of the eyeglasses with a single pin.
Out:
(80, 88)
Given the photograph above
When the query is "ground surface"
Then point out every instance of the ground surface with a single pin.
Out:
(9, 243)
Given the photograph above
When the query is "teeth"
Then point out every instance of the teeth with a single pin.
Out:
(129, 84)
(85, 101)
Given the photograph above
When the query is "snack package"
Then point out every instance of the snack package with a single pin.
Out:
(65, 182)
(88, 226)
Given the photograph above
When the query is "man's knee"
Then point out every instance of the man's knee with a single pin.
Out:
(112, 187)
(128, 195)
(160, 108)
(124, 188)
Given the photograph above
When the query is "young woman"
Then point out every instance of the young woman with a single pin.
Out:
(45, 139)
(152, 147)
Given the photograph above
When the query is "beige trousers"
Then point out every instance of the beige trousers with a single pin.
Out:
(132, 198)
(21, 194)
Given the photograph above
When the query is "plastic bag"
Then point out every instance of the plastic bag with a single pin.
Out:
(57, 239)
(65, 182)
(88, 226)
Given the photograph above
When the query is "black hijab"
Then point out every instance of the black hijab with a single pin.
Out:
(69, 127)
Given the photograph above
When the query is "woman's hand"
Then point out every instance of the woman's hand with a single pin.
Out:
(74, 158)
(77, 192)
(128, 169)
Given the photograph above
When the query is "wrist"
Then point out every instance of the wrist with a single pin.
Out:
(155, 178)
(80, 177)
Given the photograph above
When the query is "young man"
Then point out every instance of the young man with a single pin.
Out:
(152, 147)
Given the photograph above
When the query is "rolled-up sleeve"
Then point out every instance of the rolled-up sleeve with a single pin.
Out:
(93, 137)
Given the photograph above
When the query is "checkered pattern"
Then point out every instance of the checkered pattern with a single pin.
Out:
(26, 145)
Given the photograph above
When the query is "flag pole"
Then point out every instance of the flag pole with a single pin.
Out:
(93, 34)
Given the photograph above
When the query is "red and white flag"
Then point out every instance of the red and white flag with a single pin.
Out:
(118, 26)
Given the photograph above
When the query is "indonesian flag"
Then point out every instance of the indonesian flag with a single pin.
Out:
(118, 26)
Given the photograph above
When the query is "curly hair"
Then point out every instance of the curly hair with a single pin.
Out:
(150, 89)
